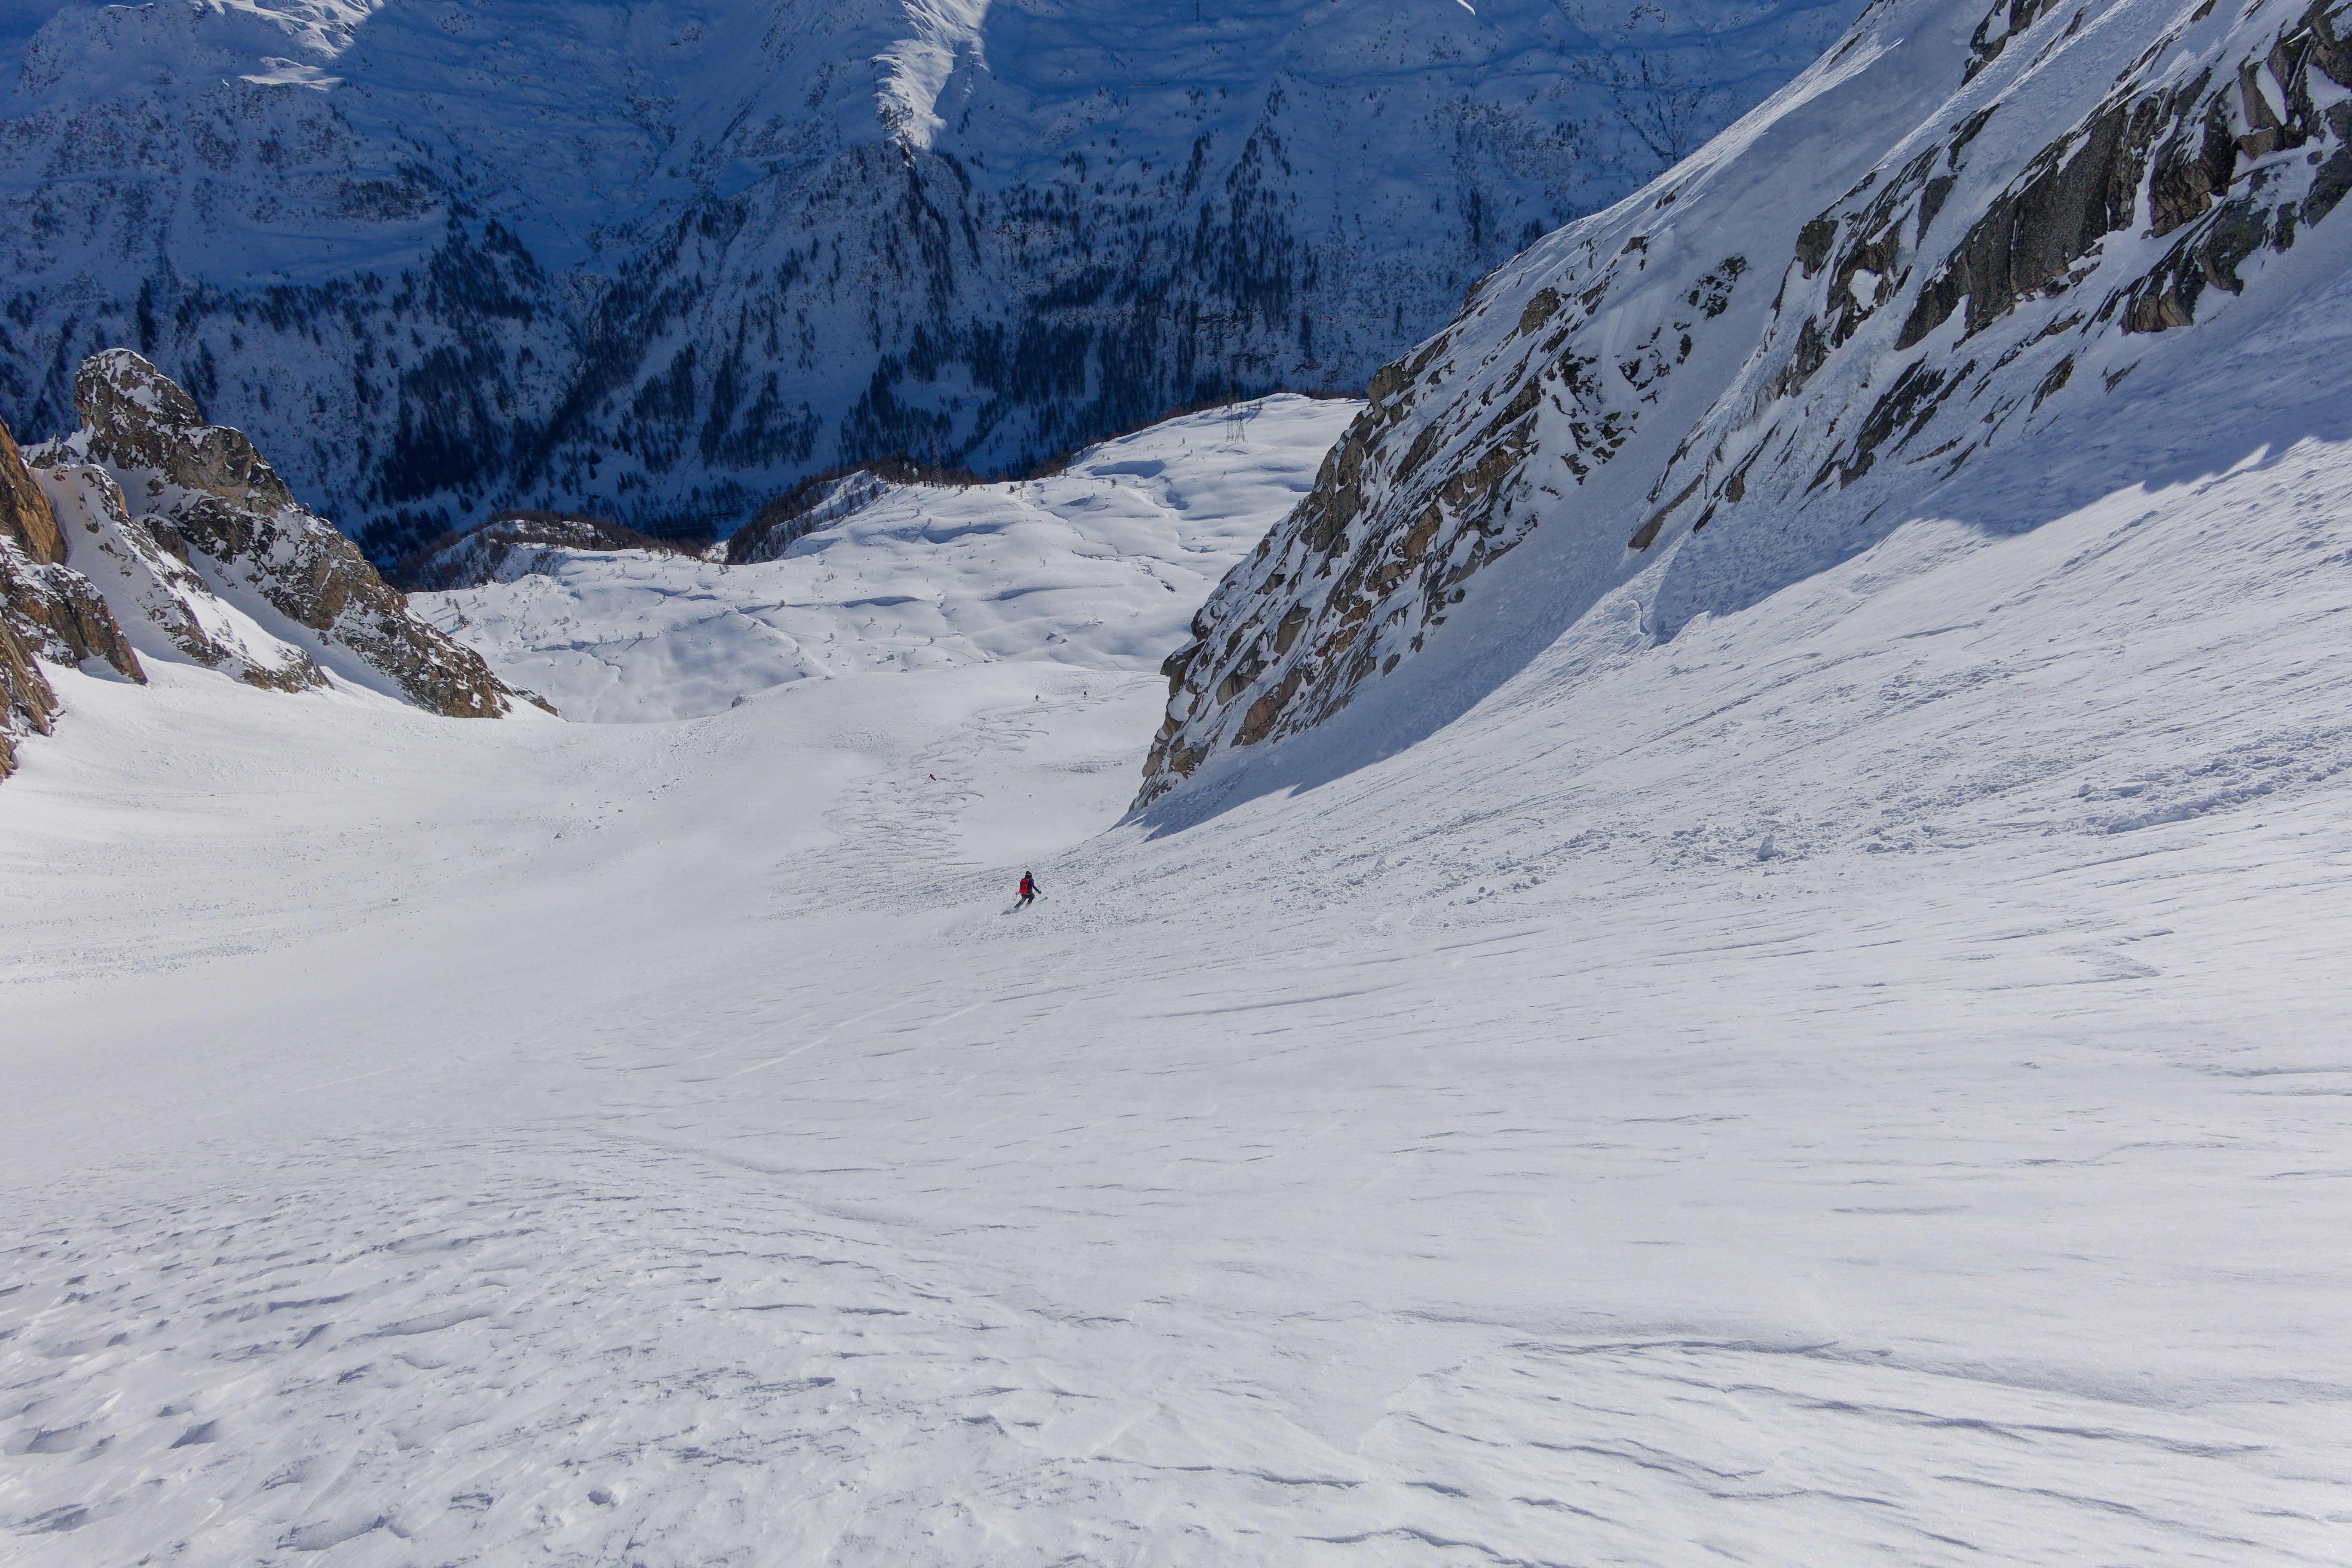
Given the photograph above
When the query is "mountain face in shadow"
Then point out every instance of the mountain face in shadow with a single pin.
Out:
(657, 263)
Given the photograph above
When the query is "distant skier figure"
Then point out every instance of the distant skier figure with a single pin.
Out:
(1028, 890)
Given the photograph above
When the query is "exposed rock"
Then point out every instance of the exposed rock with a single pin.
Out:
(1594, 386)
(48, 610)
(201, 510)
(60, 615)
(135, 418)
(2078, 192)
(2000, 27)
(25, 517)
(1379, 550)
(166, 604)
(2087, 185)
(27, 701)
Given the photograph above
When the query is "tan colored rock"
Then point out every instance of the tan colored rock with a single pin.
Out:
(47, 610)
(59, 613)
(203, 490)
(136, 417)
(52, 611)
(27, 700)
(25, 516)
(165, 603)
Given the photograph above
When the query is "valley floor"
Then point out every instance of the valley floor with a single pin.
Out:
(1862, 1082)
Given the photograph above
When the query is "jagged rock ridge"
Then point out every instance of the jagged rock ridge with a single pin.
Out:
(1998, 225)
(186, 546)
(197, 537)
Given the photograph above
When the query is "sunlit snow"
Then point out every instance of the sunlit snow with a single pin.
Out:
(1859, 1082)
(1098, 567)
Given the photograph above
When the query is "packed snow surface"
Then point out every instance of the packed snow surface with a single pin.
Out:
(1859, 1082)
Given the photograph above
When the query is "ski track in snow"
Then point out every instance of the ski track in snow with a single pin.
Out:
(1862, 1082)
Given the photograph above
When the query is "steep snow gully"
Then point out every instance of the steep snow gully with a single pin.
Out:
(1827, 1049)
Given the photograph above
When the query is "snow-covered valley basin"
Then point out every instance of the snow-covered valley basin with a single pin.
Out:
(1861, 1082)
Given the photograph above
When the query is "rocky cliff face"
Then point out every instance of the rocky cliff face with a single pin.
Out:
(48, 610)
(656, 262)
(142, 567)
(202, 547)
(1957, 229)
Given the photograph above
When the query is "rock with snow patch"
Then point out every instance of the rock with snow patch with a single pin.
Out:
(166, 606)
(1788, 345)
(201, 519)
(47, 608)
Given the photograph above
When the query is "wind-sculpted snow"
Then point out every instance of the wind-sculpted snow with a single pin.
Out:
(1932, 277)
(1098, 566)
(1861, 1082)
(655, 262)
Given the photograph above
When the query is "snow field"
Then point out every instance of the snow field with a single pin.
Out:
(1100, 567)
(1861, 1082)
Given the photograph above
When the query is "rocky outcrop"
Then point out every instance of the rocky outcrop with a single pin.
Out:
(27, 700)
(2156, 156)
(202, 535)
(26, 519)
(1960, 261)
(57, 612)
(2089, 183)
(48, 610)
(1435, 482)
(144, 570)
(61, 615)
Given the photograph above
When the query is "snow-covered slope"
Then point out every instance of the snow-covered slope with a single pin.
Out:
(1097, 567)
(1976, 267)
(1857, 1079)
(1861, 1082)
(654, 261)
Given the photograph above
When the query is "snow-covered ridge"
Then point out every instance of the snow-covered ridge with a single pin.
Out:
(515, 543)
(1969, 265)
(655, 262)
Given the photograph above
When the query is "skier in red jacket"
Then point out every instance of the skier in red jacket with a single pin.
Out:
(1028, 890)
